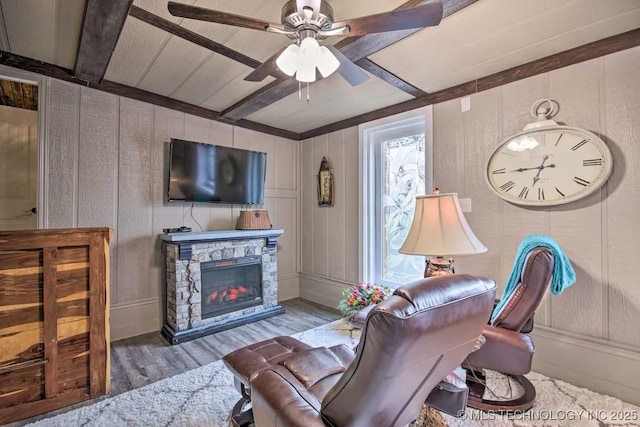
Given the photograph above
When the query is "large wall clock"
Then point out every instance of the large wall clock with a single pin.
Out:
(548, 164)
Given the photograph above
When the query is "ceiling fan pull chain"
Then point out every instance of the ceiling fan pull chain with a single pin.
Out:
(307, 92)
(299, 90)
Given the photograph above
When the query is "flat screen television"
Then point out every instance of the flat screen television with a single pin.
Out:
(215, 174)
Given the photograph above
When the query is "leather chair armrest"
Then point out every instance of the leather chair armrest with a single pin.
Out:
(504, 351)
(279, 400)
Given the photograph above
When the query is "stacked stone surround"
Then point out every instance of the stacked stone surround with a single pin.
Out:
(184, 284)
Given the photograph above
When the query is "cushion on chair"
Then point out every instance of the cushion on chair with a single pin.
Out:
(313, 365)
(534, 280)
(247, 362)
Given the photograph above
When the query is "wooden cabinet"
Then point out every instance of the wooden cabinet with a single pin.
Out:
(54, 319)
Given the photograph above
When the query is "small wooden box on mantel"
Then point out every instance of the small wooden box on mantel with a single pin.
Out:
(54, 319)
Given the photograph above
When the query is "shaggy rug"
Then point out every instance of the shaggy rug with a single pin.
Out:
(204, 397)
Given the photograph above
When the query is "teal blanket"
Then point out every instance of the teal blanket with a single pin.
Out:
(563, 273)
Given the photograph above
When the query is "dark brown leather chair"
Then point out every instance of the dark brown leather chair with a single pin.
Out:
(409, 343)
(508, 349)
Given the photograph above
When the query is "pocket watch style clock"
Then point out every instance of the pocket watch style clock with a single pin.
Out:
(548, 164)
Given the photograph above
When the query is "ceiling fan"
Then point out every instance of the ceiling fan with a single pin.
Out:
(309, 21)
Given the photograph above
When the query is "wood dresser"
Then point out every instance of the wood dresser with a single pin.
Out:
(54, 319)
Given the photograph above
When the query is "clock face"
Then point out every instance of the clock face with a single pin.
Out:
(549, 166)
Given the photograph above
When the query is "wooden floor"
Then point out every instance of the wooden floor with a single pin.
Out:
(142, 360)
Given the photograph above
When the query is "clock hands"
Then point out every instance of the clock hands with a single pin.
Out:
(538, 168)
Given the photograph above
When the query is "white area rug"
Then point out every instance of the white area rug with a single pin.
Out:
(204, 397)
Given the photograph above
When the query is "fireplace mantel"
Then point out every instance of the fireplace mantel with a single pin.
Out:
(186, 256)
(220, 235)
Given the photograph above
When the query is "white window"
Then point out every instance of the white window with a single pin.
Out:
(396, 155)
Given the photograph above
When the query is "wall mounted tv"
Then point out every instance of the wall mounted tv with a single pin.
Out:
(215, 174)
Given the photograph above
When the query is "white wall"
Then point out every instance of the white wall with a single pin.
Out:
(106, 167)
(587, 335)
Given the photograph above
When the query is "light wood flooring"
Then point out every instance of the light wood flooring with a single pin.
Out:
(142, 360)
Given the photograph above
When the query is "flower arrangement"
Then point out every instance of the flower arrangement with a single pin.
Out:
(361, 295)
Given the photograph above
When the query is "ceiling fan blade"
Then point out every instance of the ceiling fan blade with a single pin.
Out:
(268, 68)
(311, 4)
(425, 15)
(348, 70)
(202, 14)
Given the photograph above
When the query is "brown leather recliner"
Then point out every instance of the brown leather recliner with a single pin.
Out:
(508, 349)
(409, 343)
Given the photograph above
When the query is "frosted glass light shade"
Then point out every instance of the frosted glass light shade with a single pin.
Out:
(327, 63)
(440, 229)
(306, 72)
(287, 62)
(310, 49)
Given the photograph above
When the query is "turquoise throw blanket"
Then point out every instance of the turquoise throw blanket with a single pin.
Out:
(563, 273)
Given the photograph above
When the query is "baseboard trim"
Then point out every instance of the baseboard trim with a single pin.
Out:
(599, 365)
(136, 318)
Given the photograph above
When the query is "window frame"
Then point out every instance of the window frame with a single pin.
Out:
(371, 135)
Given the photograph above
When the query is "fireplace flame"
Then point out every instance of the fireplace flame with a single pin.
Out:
(232, 293)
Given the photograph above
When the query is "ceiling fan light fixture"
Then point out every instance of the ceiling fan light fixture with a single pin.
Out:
(287, 62)
(327, 63)
(303, 59)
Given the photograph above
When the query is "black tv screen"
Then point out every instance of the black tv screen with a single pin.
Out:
(215, 174)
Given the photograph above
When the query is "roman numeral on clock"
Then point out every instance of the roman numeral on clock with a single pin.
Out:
(523, 194)
(498, 171)
(507, 186)
(592, 162)
(581, 181)
(541, 193)
(578, 145)
(559, 138)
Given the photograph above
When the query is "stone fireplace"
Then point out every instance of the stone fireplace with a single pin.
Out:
(219, 280)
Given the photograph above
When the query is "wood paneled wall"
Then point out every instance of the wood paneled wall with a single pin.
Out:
(107, 158)
(594, 320)
(330, 234)
(598, 233)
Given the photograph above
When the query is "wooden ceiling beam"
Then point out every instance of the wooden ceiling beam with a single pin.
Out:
(30, 93)
(389, 77)
(195, 38)
(18, 99)
(354, 48)
(101, 27)
(16, 61)
(7, 92)
(582, 53)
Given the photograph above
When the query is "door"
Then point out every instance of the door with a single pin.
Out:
(18, 155)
